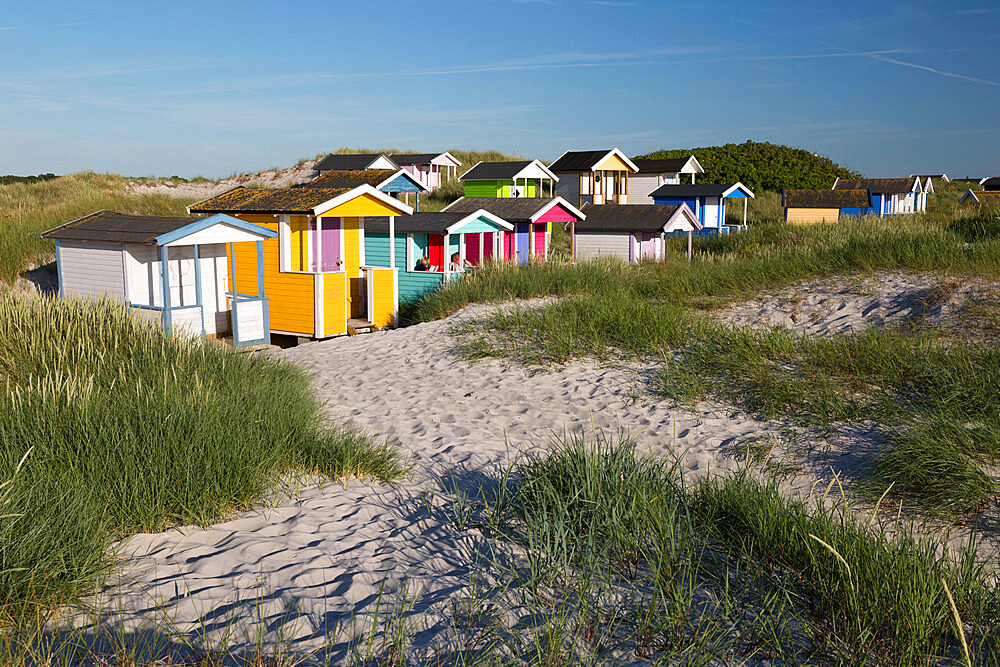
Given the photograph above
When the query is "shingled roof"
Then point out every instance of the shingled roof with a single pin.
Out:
(584, 160)
(418, 223)
(827, 199)
(879, 185)
(414, 158)
(666, 165)
(629, 217)
(982, 196)
(339, 179)
(268, 200)
(118, 227)
(429, 223)
(495, 171)
(349, 161)
(700, 190)
(513, 210)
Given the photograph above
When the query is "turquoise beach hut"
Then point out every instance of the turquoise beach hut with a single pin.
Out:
(435, 237)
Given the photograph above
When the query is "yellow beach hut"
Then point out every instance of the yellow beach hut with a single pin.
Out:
(314, 272)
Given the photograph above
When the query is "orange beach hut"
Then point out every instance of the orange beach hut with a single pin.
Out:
(314, 272)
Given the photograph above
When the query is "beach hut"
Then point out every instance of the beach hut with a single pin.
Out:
(805, 207)
(991, 184)
(431, 168)
(355, 162)
(982, 196)
(315, 271)
(707, 200)
(171, 269)
(532, 219)
(435, 237)
(394, 182)
(632, 232)
(656, 172)
(935, 177)
(595, 177)
(890, 196)
(513, 180)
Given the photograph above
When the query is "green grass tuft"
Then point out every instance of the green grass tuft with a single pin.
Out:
(133, 431)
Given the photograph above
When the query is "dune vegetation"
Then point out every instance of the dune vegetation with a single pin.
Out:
(623, 557)
(922, 389)
(762, 166)
(110, 427)
(29, 208)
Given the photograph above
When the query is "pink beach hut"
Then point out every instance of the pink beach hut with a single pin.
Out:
(532, 218)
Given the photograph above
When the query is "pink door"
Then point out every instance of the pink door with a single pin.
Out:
(473, 251)
(509, 243)
(328, 245)
(539, 232)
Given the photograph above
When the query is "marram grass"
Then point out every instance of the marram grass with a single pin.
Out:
(933, 399)
(27, 209)
(133, 431)
(727, 570)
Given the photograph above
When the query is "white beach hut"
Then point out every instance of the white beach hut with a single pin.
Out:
(171, 269)
(631, 232)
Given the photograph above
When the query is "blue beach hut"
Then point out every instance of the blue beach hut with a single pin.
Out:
(708, 201)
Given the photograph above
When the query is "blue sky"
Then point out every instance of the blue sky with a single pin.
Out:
(215, 88)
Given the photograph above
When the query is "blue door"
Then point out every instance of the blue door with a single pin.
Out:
(523, 248)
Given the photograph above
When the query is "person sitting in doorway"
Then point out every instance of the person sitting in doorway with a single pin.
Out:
(423, 264)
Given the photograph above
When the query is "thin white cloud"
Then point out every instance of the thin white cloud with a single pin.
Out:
(940, 72)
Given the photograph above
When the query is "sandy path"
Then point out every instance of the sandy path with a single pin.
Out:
(314, 570)
(308, 567)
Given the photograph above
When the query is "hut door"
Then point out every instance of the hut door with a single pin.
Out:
(326, 245)
(540, 238)
(648, 245)
(435, 251)
(523, 248)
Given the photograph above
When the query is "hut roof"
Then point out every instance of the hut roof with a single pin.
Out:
(982, 196)
(526, 209)
(339, 179)
(507, 171)
(148, 229)
(699, 190)
(350, 161)
(827, 199)
(880, 185)
(117, 227)
(268, 200)
(632, 217)
(587, 160)
(688, 165)
(440, 222)
(992, 183)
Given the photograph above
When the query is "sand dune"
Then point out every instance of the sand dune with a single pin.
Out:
(313, 570)
(846, 304)
(318, 563)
